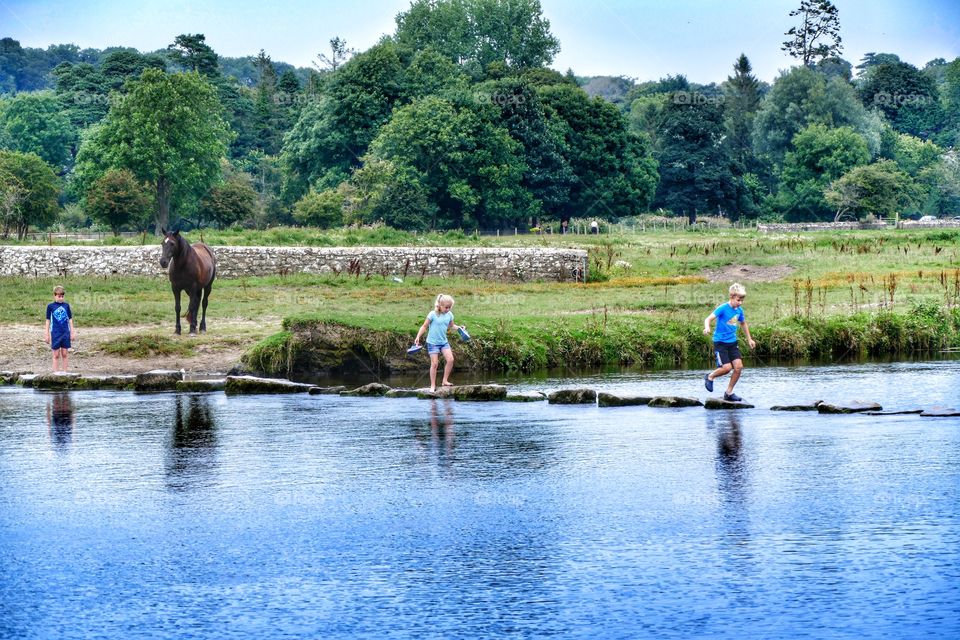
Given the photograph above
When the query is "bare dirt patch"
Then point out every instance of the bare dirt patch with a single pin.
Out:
(22, 348)
(748, 273)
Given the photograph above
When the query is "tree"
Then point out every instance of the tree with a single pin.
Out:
(820, 155)
(168, 132)
(117, 199)
(741, 101)
(695, 175)
(191, 52)
(818, 35)
(234, 200)
(906, 96)
(323, 209)
(28, 192)
(339, 53)
(880, 188)
(477, 33)
(34, 123)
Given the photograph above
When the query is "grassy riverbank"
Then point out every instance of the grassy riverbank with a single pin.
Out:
(814, 294)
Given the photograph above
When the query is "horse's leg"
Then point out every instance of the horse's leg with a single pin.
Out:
(193, 308)
(176, 307)
(206, 299)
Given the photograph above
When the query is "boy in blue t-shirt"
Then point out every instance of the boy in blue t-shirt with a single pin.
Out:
(58, 329)
(728, 316)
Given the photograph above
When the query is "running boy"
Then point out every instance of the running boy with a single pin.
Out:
(438, 323)
(728, 316)
(58, 329)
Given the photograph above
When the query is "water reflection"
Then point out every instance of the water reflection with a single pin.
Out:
(61, 420)
(730, 463)
(441, 440)
(192, 448)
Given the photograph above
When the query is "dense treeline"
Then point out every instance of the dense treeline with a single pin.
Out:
(455, 121)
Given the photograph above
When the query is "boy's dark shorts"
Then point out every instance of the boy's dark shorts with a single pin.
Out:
(726, 352)
(61, 341)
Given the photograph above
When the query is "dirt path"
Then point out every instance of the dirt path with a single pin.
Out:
(23, 349)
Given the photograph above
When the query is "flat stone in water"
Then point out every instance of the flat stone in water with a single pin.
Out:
(848, 407)
(158, 380)
(374, 389)
(479, 392)
(248, 385)
(718, 403)
(670, 402)
(797, 407)
(327, 391)
(202, 386)
(902, 412)
(605, 399)
(401, 393)
(940, 412)
(526, 396)
(572, 396)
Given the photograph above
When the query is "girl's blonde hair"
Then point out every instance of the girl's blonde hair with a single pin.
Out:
(441, 299)
(737, 289)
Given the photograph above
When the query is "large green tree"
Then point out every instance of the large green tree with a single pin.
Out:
(880, 188)
(28, 192)
(35, 123)
(906, 96)
(818, 34)
(117, 199)
(169, 132)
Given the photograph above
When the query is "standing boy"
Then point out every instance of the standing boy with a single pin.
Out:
(58, 329)
(728, 316)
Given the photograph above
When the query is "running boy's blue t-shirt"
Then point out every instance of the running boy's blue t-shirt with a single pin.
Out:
(59, 315)
(728, 319)
(439, 324)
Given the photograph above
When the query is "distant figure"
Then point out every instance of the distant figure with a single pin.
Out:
(728, 316)
(436, 326)
(564, 224)
(58, 329)
(595, 227)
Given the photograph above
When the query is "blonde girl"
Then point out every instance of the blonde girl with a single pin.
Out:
(436, 326)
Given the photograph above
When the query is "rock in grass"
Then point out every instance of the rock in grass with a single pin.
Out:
(158, 380)
(327, 391)
(719, 403)
(797, 407)
(249, 385)
(611, 400)
(374, 389)
(572, 396)
(479, 392)
(526, 396)
(672, 402)
(940, 412)
(202, 386)
(848, 407)
(402, 393)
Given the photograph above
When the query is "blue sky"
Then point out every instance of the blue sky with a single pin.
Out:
(642, 39)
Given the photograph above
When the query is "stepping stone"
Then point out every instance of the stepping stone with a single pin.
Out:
(479, 392)
(797, 407)
(401, 393)
(55, 381)
(848, 407)
(158, 380)
(612, 400)
(902, 412)
(202, 386)
(327, 391)
(573, 396)
(670, 402)
(250, 385)
(526, 396)
(374, 389)
(718, 403)
(940, 412)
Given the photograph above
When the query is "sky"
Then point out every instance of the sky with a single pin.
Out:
(639, 39)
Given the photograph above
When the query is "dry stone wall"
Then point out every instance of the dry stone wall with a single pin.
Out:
(500, 264)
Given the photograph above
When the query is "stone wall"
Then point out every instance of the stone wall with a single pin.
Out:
(942, 223)
(501, 264)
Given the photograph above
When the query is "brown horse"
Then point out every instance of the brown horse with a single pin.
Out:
(192, 269)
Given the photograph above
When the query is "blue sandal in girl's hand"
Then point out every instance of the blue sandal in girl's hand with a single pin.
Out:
(463, 334)
(415, 348)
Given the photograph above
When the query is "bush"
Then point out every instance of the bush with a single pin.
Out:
(322, 209)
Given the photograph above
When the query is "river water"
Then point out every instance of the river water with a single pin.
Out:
(187, 515)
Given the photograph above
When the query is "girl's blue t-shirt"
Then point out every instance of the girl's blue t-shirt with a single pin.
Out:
(439, 324)
(728, 319)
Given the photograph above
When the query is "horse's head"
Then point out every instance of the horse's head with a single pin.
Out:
(170, 247)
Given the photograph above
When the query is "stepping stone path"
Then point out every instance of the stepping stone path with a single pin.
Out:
(245, 385)
(158, 380)
(611, 400)
(848, 407)
(374, 389)
(894, 413)
(717, 403)
(797, 407)
(526, 396)
(327, 391)
(673, 402)
(941, 412)
(203, 386)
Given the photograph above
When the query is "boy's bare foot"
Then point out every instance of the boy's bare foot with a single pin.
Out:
(433, 389)
(448, 384)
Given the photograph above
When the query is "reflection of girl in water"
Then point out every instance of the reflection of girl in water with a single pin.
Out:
(60, 419)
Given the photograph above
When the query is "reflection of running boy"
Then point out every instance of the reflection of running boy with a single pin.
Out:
(728, 316)
(58, 329)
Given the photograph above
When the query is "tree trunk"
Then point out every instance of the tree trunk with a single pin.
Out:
(163, 205)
